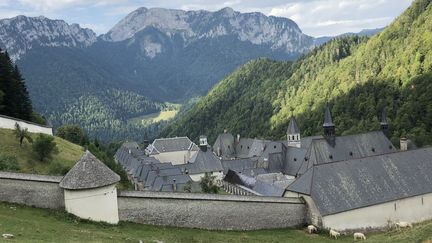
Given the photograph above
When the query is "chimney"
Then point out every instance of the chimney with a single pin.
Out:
(146, 143)
(383, 123)
(238, 138)
(203, 144)
(403, 144)
(174, 185)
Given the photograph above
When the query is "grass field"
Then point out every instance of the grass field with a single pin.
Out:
(64, 158)
(40, 225)
(164, 115)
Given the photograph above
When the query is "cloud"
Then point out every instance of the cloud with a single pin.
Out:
(55, 5)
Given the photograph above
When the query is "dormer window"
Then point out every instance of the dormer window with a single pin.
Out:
(331, 156)
(373, 149)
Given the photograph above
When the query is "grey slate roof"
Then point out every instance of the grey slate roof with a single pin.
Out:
(347, 147)
(328, 121)
(204, 161)
(224, 145)
(89, 172)
(292, 127)
(293, 160)
(346, 185)
(163, 145)
(244, 166)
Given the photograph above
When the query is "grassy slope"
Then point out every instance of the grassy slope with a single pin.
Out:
(39, 225)
(68, 153)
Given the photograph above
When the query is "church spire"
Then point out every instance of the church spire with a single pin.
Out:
(383, 123)
(328, 125)
(293, 134)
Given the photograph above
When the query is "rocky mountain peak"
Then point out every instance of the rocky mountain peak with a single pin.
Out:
(21, 33)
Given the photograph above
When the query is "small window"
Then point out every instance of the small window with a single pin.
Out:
(275, 146)
(248, 147)
(351, 153)
(295, 159)
(390, 147)
(331, 156)
(373, 149)
(306, 159)
(241, 146)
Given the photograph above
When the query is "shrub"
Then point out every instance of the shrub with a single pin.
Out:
(208, 184)
(9, 163)
(43, 146)
(72, 133)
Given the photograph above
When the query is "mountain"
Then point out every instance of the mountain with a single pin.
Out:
(150, 57)
(357, 76)
(20, 34)
(366, 32)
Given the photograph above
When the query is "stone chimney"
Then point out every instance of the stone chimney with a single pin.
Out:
(225, 130)
(238, 138)
(174, 185)
(403, 144)
(203, 144)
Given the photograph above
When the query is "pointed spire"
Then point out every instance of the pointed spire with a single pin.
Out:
(384, 117)
(328, 121)
(292, 127)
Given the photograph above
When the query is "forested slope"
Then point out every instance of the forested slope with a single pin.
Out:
(358, 77)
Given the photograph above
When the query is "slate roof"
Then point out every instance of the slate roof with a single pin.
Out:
(293, 160)
(224, 145)
(247, 166)
(204, 161)
(328, 121)
(292, 127)
(89, 172)
(346, 147)
(163, 145)
(346, 185)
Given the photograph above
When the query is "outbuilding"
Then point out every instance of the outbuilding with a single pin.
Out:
(89, 190)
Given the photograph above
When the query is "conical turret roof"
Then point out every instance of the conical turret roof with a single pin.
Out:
(292, 127)
(328, 121)
(89, 172)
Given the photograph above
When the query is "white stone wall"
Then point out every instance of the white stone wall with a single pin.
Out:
(413, 209)
(9, 123)
(98, 204)
(197, 177)
(176, 158)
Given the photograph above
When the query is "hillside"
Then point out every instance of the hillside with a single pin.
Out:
(60, 162)
(358, 77)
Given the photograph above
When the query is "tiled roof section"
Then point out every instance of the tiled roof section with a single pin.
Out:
(293, 160)
(292, 127)
(89, 172)
(204, 161)
(164, 145)
(346, 185)
(224, 145)
(347, 147)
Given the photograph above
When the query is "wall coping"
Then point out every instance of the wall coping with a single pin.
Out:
(28, 122)
(30, 177)
(208, 197)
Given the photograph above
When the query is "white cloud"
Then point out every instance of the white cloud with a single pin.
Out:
(54, 5)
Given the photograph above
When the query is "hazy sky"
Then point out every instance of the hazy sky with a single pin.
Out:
(315, 17)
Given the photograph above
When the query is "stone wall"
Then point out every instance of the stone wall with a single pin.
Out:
(9, 123)
(32, 190)
(222, 212)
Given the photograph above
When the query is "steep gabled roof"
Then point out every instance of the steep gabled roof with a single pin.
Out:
(89, 172)
(204, 161)
(346, 147)
(346, 185)
(292, 127)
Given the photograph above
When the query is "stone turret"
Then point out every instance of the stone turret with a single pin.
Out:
(329, 127)
(293, 134)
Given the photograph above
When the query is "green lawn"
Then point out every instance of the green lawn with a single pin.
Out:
(40, 225)
(163, 115)
(65, 157)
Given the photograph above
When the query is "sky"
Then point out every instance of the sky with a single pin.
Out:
(315, 17)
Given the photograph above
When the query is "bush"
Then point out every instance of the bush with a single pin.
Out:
(72, 133)
(43, 146)
(57, 168)
(9, 163)
(208, 184)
